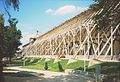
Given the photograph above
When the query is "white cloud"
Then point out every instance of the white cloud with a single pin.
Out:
(26, 36)
(66, 10)
(49, 10)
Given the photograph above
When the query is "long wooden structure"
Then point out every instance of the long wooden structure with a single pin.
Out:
(77, 38)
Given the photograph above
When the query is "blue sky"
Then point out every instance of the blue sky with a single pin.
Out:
(43, 15)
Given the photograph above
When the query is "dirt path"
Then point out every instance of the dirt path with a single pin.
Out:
(45, 76)
(38, 72)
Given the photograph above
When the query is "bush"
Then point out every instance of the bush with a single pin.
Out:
(60, 67)
(46, 65)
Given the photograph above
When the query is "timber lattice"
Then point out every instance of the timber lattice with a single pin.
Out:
(77, 38)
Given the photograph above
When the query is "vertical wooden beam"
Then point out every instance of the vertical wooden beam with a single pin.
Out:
(88, 40)
(53, 47)
(111, 42)
(64, 45)
(84, 59)
(73, 42)
(98, 43)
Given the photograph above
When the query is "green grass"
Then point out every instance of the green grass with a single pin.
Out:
(78, 65)
(39, 64)
(111, 68)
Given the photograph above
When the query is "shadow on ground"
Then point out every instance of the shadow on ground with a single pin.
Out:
(31, 77)
(21, 77)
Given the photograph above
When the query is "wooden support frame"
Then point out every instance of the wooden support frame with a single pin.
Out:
(101, 43)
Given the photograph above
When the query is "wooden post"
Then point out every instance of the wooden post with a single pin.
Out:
(84, 59)
(111, 43)
(88, 41)
(97, 71)
(74, 42)
(98, 43)
(64, 45)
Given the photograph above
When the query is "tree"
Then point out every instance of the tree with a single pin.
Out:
(11, 3)
(14, 3)
(3, 46)
(13, 37)
(9, 40)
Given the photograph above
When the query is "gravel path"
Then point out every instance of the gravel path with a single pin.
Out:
(38, 72)
(45, 76)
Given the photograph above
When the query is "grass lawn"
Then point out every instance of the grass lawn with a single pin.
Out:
(52, 66)
(111, 68)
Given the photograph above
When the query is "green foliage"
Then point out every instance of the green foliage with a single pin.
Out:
(9, 38)
(60, 67)
(14, 3)
(46, 65)
(1, 19)
(79, 65)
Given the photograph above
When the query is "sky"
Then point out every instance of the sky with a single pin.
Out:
(43, 15)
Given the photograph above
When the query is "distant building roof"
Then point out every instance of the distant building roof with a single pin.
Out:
(31, 41)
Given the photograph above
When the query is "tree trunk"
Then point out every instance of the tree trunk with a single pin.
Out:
(1, 71)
